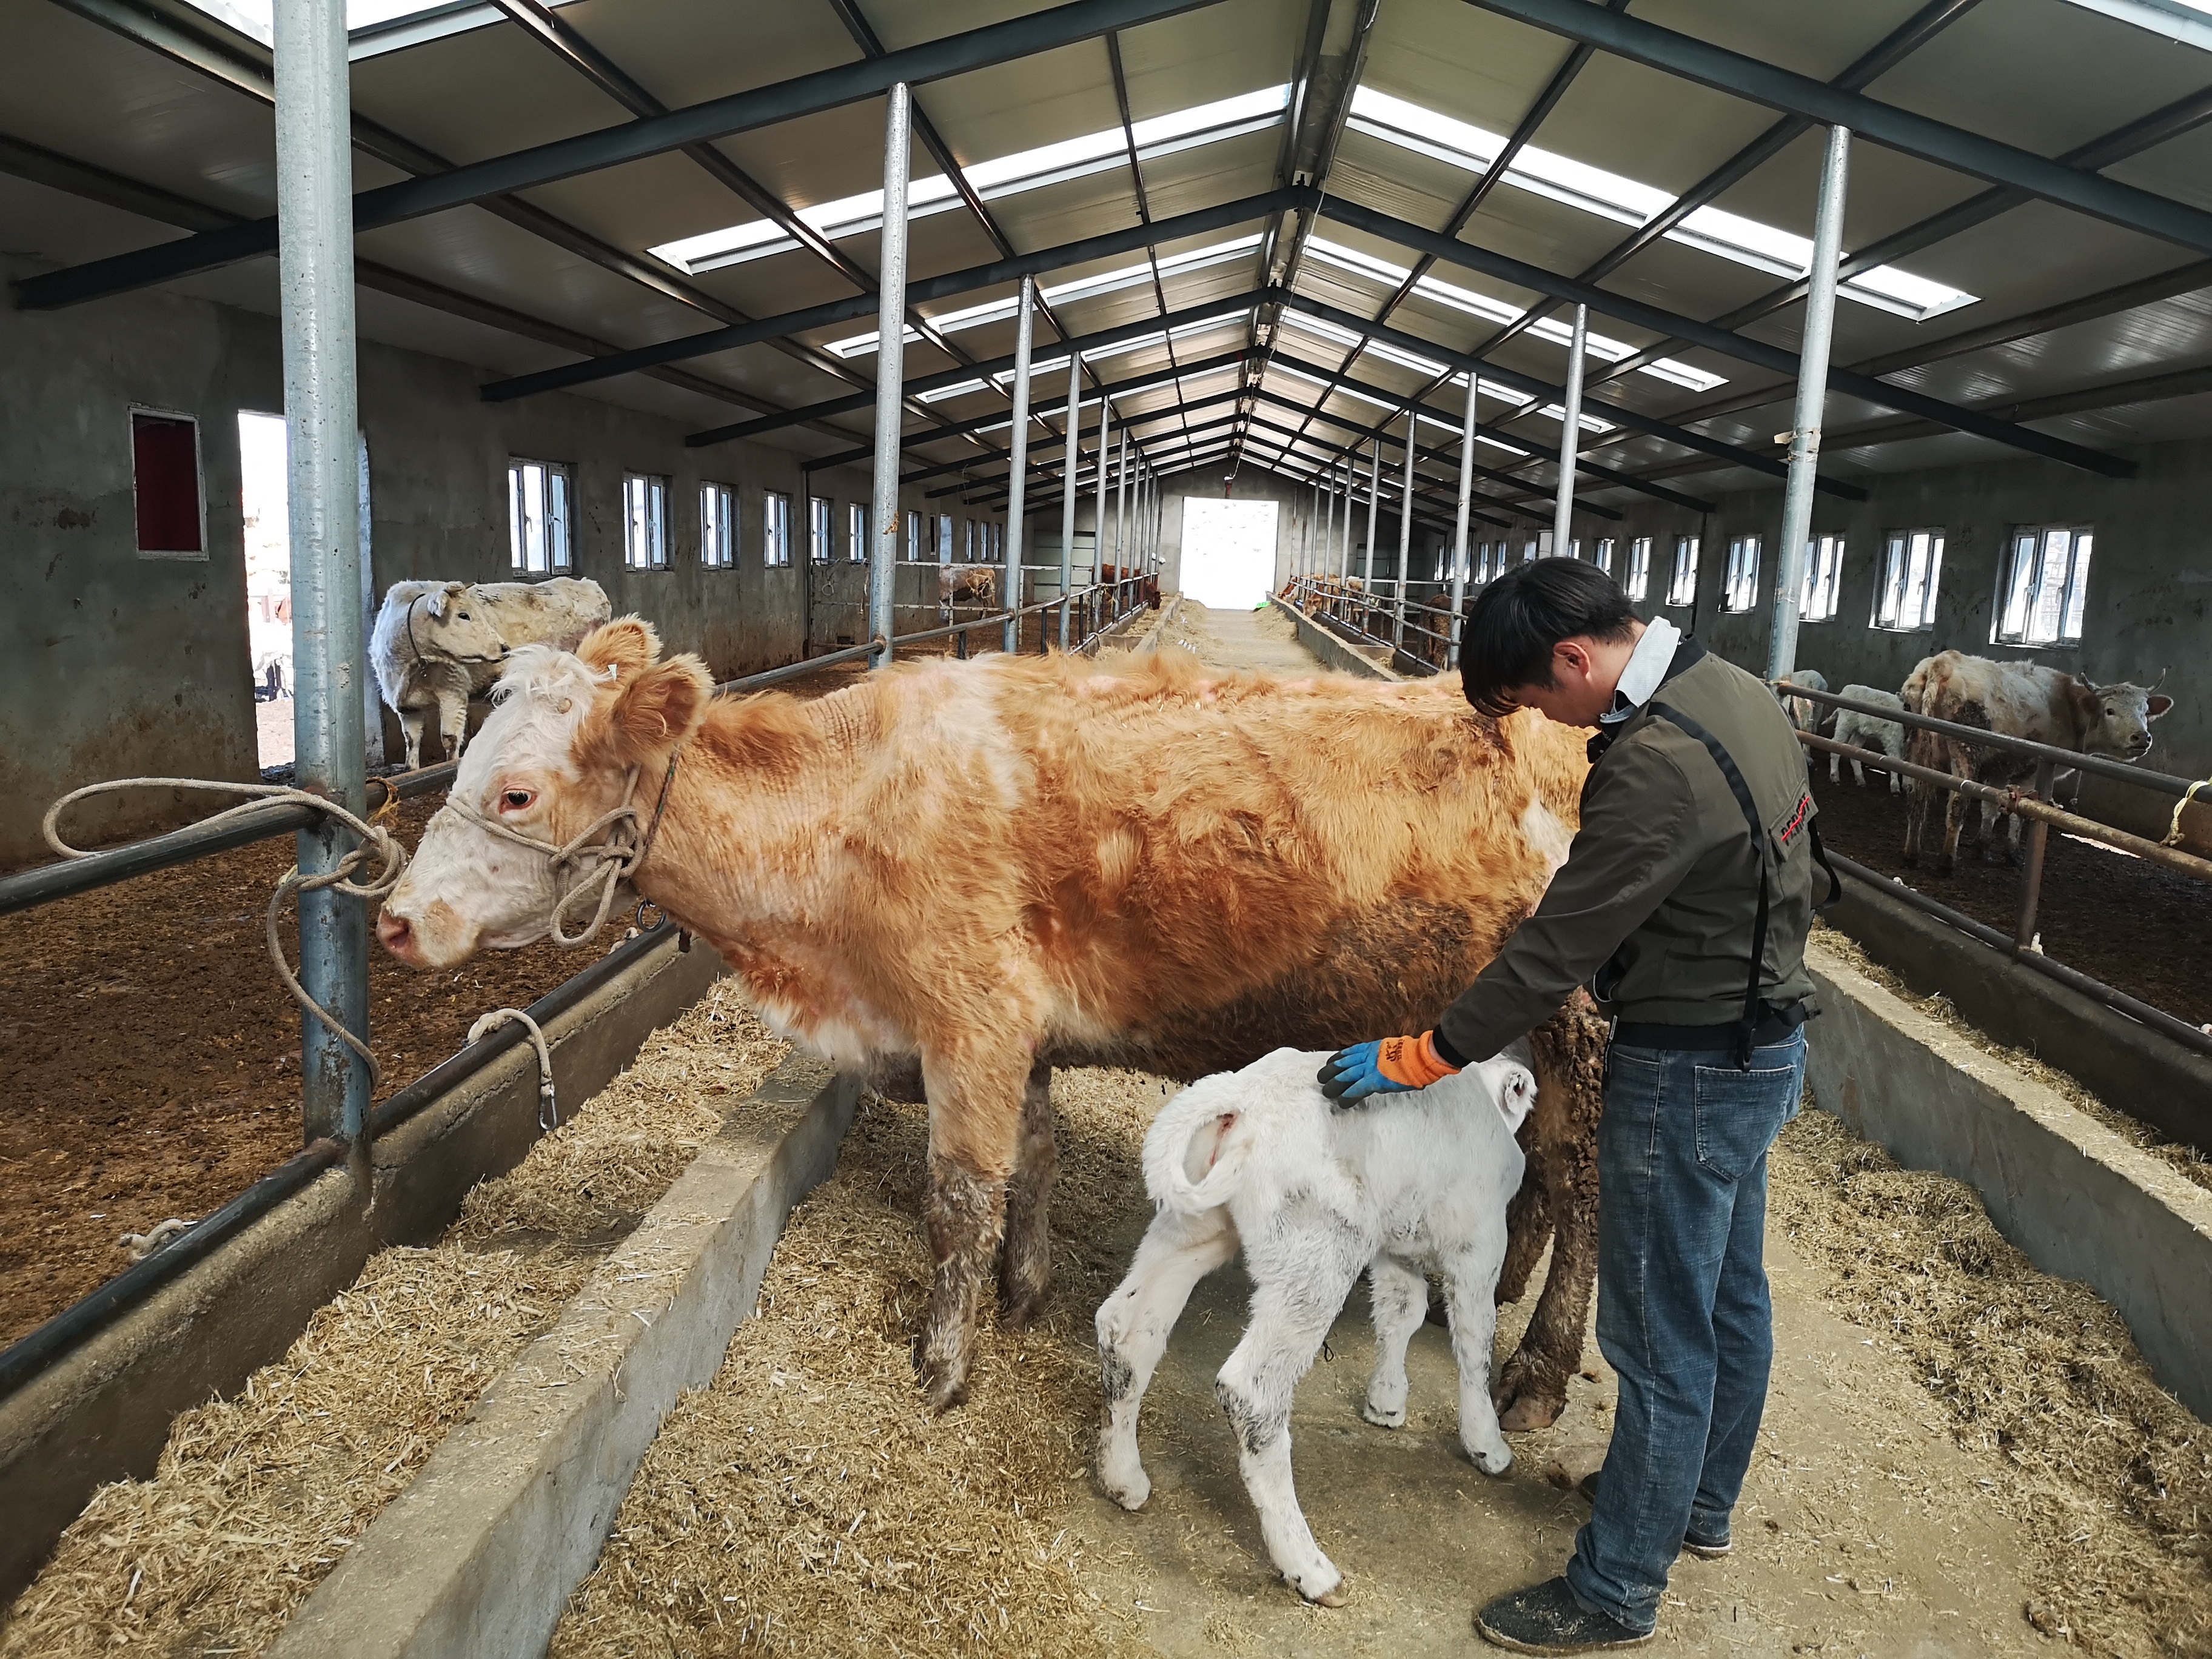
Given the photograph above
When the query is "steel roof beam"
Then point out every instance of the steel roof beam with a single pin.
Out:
(857, 305)
(1691, 59)
(1228, 307)
(632, 141)
(1758, 353)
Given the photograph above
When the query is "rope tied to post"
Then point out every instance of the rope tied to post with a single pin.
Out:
(549, 1108)
(370, 871)
(2174, 830)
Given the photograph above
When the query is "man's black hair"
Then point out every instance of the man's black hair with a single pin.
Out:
(1519, 615)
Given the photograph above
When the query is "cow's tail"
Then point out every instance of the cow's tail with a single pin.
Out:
(1915, 688)
(1197, 1148)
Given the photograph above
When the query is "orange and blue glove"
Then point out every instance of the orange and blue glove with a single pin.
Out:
(1390, 1067)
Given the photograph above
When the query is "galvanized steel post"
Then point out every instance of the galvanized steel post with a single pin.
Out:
(1068, 489)
(1343, 535)
(1024, 332)
(1405, 534)
(1120, 521)
(1466, 502)
(891, 374)
(322, 429)
(1374, 495)
(1812, 398)
(1098, 505)
(1570, 440)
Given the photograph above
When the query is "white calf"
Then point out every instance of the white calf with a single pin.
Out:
(1806, 714)
(1412, 1182)
(1869, 731)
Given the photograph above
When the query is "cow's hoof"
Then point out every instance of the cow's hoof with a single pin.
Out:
(1494, 1463)
(1018, 1309)
(1382, 1417)
(942, 1390)
(1131, 1493)
(1335, 1596)
(1528, 1412)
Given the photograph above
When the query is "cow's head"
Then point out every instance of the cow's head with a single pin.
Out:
(451, 621)
(560, 749)
(2115, 720)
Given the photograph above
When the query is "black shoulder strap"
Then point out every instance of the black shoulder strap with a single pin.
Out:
(1741, 791)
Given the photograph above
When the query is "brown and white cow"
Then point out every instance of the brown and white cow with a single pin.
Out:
(967, 584)
(991, 868)
(2016, 700)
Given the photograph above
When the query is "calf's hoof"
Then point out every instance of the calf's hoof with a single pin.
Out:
(1495, 1463)
(1325, 1586)
(1384, 1415)
(1130, 1491)
(1528, 1412)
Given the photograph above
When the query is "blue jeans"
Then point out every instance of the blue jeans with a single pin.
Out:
(1682, 1308)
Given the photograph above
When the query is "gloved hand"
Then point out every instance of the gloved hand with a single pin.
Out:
(1390, 1067)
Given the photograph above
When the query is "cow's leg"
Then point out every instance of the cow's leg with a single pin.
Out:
(1025, 1261)
(1178, 1250)
(412, 723)
(1297, 1301)
(453, 723)
(1896, 782)
(1569, 1050)
(1528, 1230)
(1399, 1296)
(1468, 1279)
(975, 1129)
(1836, 768)
(1955, 809)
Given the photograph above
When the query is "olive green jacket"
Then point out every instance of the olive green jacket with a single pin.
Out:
(1655, 905)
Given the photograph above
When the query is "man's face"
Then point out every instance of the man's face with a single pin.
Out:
(1580, 690)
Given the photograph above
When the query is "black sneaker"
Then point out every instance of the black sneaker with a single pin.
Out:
(1708, 1546)
(1548, 1619)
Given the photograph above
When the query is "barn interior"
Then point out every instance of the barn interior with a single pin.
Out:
(1338, 307)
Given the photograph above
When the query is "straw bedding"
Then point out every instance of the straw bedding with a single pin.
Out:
(2109, 1478)
(805, 1503)
(255, 1497)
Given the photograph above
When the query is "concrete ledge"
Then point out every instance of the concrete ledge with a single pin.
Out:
(102, 1412)
(1332, 648)
(2143, 1072)
(480, 1553)
(1158, 631)
(2081, 1202)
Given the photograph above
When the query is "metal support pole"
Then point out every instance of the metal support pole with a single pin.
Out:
(1098, 506)
(1120, 522)
(2031, 876)
(1570, 441)
(1405, 535)
(1068, 489)
(1344, 534)
(1466, 500)
(1016, 488)
(890, 372)
(1812, 396)
(1374, 495)
(322, 429)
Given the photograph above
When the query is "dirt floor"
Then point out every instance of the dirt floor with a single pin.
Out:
(255, 1497)
(2160, 949)
(804, 1503)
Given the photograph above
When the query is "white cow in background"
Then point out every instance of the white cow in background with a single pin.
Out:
(1869, 731)
(437, 644)
(1416, 1183)
(1806, 714)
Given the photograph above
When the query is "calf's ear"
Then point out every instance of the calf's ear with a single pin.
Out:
(647, 714)
(2159, 704)
(625, 646)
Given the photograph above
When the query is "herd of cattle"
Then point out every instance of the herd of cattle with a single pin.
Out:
(957, 876)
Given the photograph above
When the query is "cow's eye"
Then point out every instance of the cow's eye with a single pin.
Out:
(464, 616)
(516, 800)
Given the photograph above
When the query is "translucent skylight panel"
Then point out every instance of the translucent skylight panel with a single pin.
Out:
(436, 18)
(1007, 175)
(1042, 366)
(1497, 311)
(1712, 230)
(1085, 287)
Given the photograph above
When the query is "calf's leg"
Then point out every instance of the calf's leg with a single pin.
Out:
(1469, 1277)
(453, 723)
(1400, 1295)
(1178, 1250)
(1025, 1261)
(413, 724)
(1291, 1311)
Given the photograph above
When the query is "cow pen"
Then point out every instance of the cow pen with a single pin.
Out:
(867, 364)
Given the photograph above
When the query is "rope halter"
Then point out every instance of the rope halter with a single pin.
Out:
(600, 865)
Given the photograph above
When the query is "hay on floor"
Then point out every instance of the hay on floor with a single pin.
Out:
(256, 1498)
(2109, 1475)
(806, 1502)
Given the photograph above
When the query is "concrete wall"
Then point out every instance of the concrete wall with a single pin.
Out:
(113, 664)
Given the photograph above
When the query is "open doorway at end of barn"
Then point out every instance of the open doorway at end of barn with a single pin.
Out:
(264, 498)
(1228, 553)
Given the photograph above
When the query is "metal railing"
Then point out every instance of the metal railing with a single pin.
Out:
(2035, 807)
(1347, 605)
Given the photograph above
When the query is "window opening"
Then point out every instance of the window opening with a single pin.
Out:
(2046, 584)
(1824, 572)
(1639, 570)
(1741, 591)
(1911, 564)
(913, 536)
(821, 528)
(1605, 554)
(1683, 587)
(717, 527)
(165, 478)
(537, 497)
(645, 521)
(856, 523)
(775, 529)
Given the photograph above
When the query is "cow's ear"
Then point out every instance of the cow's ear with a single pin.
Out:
(618, 650)
(435, 601)
(658, 706)
(2160, 704)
